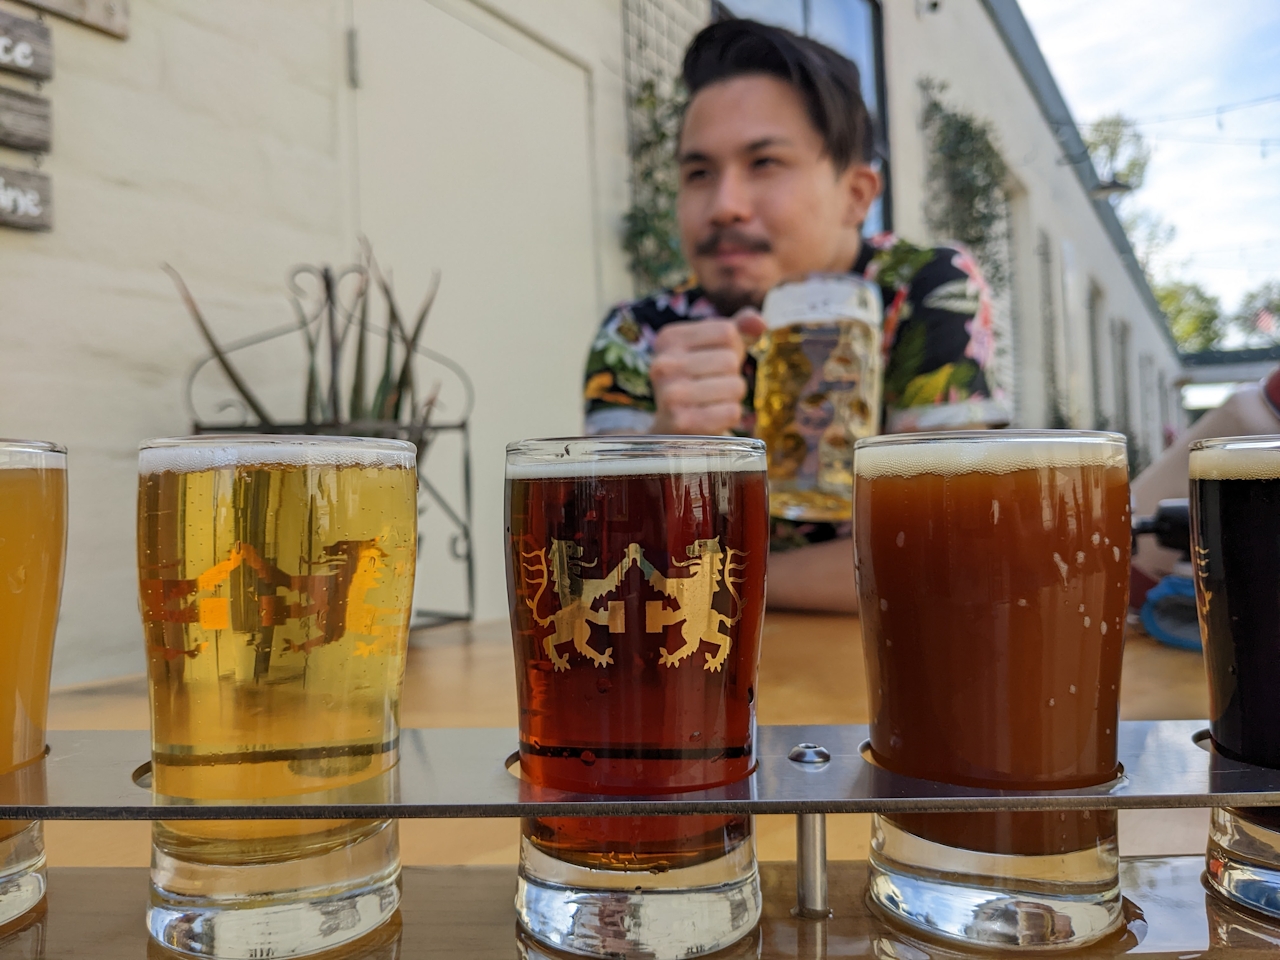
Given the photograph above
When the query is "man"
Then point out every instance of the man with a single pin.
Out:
(776, 179)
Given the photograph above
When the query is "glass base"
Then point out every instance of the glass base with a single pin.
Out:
(679, 913)
(22, 879)
(289, 908)
(991, 900)
(1242, 862)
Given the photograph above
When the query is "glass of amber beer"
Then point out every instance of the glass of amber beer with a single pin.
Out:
(817, 391)
(993, 574)
(636, 580)
(33, 540)
(1235, 526)
(276, 577)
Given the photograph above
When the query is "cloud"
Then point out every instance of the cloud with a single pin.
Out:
(1149, 58)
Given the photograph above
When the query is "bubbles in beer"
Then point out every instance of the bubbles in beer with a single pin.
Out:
(1103, 627)
(1115, 552)
(1062, 567)
(902, 537)
(1087, 621)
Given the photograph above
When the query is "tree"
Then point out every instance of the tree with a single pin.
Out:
(1194, 316)
(1118, 150)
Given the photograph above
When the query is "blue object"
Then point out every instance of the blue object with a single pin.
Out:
(1169, 613)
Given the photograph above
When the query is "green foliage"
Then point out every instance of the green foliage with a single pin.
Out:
(967, 177)
(1194, 316)
(651, 235)
(1118, 150)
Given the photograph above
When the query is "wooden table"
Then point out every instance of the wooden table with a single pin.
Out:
(811, 671)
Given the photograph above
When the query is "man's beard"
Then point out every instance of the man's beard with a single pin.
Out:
(730, 300)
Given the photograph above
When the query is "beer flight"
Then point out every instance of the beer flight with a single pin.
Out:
(992, 568)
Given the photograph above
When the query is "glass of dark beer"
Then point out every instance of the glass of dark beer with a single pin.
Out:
(1235, 527)
(993, 573)
(636, 573)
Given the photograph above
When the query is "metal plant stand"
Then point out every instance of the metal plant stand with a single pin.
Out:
(331, 307)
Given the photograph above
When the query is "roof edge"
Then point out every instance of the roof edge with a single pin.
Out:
(1021, 44)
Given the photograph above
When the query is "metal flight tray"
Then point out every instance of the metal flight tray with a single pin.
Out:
(808, 771)
(104, 775)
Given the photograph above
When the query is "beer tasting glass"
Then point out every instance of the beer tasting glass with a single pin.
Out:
(636, 581)
(1235, 528)
(817, 391)
(993, 573)
(33, 541)
(276, 577)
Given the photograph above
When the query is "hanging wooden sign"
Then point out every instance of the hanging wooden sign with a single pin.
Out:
(26, 121)
(26, 47)
(109, 16)
(26, 200)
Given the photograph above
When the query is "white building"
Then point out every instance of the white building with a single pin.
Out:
(487, 138)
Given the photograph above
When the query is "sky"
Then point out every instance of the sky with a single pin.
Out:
(1150, 59)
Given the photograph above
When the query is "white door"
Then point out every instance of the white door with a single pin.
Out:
(473, 156)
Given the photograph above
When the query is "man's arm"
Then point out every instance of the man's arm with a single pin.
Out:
(817, 578)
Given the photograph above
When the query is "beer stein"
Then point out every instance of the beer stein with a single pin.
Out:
(819, 375)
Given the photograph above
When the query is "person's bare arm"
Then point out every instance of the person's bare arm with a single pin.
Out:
(1245, 413)
(817, 578)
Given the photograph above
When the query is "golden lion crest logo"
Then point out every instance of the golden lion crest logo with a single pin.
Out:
(692, 586)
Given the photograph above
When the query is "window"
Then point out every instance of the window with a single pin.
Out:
(852, 27)
(1095, 355)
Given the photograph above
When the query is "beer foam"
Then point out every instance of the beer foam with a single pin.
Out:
(195, 454)
(31, 455)
(1256, 460)
(636, 467)
(1001, 453)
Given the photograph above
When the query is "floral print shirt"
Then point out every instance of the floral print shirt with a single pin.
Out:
(939, 346)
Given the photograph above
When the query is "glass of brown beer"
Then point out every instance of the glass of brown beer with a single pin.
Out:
(817, 390)
(993, 576)
(1235, 523)
(33, 541)
(276, 576)
(636, 572)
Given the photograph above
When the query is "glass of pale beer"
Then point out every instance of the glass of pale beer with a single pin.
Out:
(1235, 526)
(33, 541)
(993, 576)
(818, 382)
(636, 572)
(276, 577)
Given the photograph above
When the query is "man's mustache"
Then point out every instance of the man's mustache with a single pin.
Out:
(732, 237)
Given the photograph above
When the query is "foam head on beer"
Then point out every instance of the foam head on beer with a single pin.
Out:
(954, 454)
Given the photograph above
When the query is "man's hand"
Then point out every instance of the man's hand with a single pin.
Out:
(697, 374)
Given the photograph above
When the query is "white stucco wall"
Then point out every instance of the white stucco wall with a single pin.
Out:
(960, 46)
(223, 138)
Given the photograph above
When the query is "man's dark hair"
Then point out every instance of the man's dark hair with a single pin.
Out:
(828, 82)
